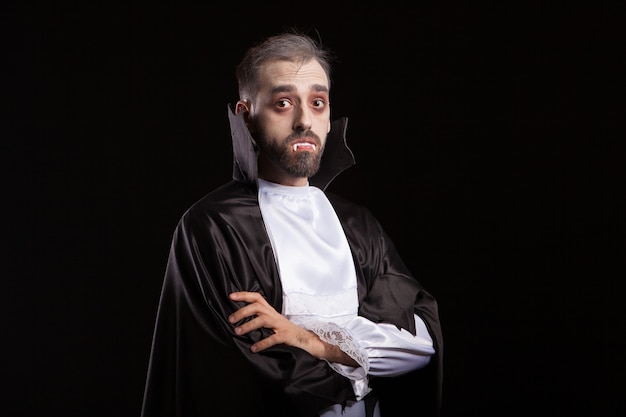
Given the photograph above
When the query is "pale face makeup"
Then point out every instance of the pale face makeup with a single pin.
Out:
(290, 119)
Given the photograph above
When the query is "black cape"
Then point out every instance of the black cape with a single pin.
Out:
(199, 367)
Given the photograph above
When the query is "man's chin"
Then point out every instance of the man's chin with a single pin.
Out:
(304, 168)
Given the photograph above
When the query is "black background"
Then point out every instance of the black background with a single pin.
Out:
(487, 143)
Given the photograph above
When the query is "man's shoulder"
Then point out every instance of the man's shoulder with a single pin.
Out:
(226, 205)
(231, 194)
(346, 206)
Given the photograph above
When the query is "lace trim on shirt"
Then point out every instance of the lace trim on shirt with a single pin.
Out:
(337, 336)
(342, 303)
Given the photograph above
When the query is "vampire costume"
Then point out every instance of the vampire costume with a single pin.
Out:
(198, 365)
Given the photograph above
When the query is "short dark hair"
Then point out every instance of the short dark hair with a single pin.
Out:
(292, 46)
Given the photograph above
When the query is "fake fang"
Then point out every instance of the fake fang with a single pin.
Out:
(304, 145)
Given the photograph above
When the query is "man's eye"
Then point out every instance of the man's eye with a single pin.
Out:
(318, 103)
(283, 103)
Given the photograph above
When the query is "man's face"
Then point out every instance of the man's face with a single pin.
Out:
(290, 119)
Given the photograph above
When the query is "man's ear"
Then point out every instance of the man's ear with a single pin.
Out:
(242, 106)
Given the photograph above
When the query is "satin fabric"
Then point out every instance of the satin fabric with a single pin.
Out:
(199, 367)
(313, 256)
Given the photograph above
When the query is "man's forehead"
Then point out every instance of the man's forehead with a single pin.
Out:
(293, 75)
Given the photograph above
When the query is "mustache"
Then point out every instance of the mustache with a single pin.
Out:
(307, 135)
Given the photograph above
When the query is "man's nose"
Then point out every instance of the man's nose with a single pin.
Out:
(302, 119)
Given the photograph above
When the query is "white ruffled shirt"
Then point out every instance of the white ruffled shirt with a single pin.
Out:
(320, 290)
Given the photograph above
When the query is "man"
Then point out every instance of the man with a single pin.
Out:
(282, 299)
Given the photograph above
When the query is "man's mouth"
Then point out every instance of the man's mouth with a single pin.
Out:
(304, 146)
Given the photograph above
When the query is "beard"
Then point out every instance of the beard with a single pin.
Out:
(296, 164)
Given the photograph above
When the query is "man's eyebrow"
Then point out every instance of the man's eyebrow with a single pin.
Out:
(288, 88)
(319, 87)
(284, 88)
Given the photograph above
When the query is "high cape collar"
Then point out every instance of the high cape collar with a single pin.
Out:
(337, 155)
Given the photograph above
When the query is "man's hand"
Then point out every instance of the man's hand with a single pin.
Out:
(264, 315)
(286, 332)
